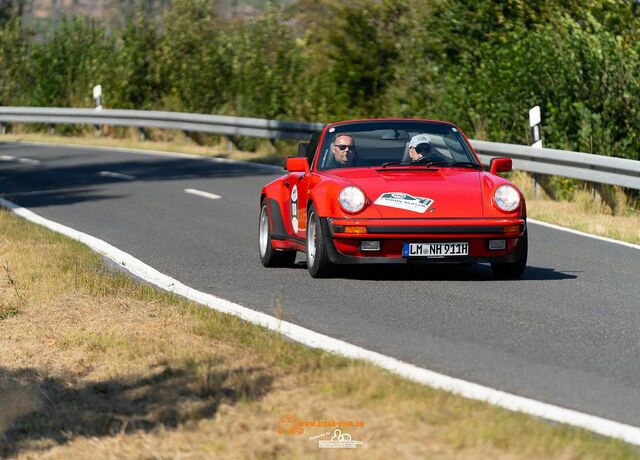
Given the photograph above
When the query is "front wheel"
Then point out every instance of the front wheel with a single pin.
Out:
(512, 270)
(269, 256)
(318, 262)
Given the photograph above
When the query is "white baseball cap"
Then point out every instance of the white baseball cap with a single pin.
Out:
(419, 139)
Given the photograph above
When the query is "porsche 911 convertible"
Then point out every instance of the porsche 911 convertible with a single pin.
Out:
(392, 191)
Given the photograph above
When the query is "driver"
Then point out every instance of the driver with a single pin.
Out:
(421, 146)
(343, 149)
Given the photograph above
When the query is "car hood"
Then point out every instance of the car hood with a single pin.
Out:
(419, 192)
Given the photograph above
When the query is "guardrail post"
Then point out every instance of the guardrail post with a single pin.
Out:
(3, 129)
(141, 135)
(50, 129)
(229, 144)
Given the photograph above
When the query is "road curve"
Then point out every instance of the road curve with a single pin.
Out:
(567, 333)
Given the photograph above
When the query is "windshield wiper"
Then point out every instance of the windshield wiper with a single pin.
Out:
(392, 163)
(465, 164)
(424, 162)
(420, 161)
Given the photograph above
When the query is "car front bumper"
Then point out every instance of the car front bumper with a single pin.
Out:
(344, 246)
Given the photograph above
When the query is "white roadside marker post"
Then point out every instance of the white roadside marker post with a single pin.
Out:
(97, 100)
(534, 122)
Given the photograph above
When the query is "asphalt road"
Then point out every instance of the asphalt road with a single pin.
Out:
(567, 333)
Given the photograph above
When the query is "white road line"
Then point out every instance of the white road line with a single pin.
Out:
(586, 235)
(116, 175)
(603, 426)
(28, 161)
(193, 191)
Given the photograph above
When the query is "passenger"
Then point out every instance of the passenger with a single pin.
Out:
(420, 146)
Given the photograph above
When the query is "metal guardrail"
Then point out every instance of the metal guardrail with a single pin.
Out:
(218, 124)
(577, 165)
(584, 166)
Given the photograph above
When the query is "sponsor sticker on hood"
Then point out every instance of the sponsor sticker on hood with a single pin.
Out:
(404, 201)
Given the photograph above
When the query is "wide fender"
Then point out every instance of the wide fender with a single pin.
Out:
(489, 184)
(276, 195)
(275, 190)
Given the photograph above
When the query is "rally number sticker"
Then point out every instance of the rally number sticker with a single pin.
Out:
(294, 208)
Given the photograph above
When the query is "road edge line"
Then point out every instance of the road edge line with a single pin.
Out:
(314, 339)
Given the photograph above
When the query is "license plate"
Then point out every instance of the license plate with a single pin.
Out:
(435, 250)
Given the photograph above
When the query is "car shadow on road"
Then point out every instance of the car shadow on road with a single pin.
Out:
(54, 410)
(442, 272)
(58, 197)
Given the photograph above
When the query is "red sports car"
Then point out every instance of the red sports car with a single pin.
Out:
(392, 191)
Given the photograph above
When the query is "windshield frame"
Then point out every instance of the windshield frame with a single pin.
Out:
(410, 125)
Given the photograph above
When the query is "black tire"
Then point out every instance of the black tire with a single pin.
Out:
(269, 256)
(318, 262)
(513, 270)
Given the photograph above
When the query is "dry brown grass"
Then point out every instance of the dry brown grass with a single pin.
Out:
(95, 365)
(586, 212)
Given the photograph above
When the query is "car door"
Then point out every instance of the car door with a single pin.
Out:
(299, 184)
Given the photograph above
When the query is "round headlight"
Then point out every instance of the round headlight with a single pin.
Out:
(351, 199)
(506, 198)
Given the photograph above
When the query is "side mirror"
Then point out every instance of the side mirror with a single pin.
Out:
(497, 165)
(297, 164)
(302, 149)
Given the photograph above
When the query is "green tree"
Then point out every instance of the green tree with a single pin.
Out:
(75, 57)
(266, 67)
(10, 10)
(363, 50)
(195, 58)
(14, 63)
(136, 76)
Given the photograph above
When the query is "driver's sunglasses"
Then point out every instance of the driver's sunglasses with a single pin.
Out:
(345, 146)
(421, 149)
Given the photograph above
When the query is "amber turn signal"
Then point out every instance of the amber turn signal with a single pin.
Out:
(355, 229)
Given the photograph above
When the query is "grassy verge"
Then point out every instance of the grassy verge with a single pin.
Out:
(585, 212)
(91, 361)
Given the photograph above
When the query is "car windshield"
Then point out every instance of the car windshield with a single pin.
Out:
(388, 143)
